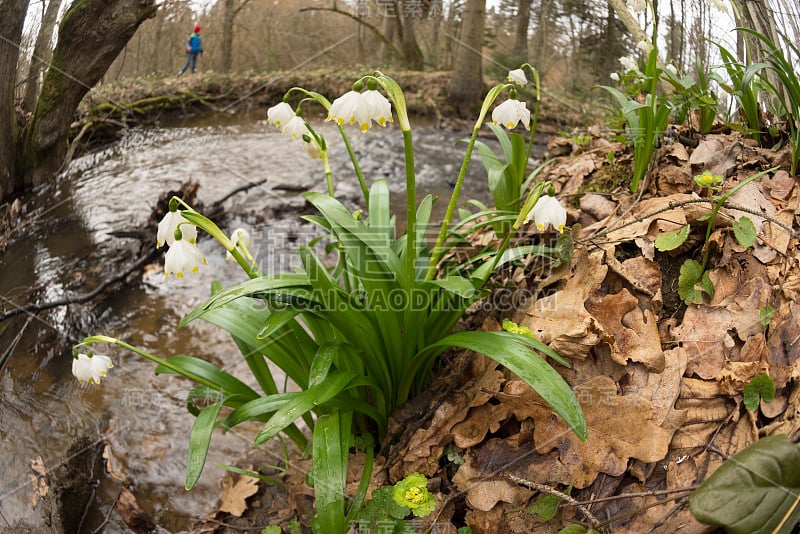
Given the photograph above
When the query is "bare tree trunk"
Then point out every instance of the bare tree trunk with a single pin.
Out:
(90, 37)
(42, 52)
(231, 10)
(466, 86)
(521, 34)
(610, 40)
(10, 33)
(541, 34)
(412, 54)
(389, 30)
(227, 36)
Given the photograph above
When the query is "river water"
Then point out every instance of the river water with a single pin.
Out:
(141, 418)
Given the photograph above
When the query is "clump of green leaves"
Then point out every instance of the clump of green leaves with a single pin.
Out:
(390, 505)
(645, 121)
(694, 280)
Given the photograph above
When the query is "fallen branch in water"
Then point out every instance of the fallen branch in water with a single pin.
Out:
(78, 299)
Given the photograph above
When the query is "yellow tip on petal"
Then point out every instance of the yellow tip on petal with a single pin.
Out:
(509, 125)
(540, 226)
(179, 275)
(365, 127)
(560, 228)
(195, 269)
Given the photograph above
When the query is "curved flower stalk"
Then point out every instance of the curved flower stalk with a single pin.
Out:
(315, 143)
(491, 96)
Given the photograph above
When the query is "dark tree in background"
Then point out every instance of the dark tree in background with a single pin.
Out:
(11, 23)
(466, 86)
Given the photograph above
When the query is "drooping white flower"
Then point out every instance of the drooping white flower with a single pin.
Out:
(350, 108)
(672, 69)
(629, 64)
(517, 76)
(240, 239)
(378, 107)
(167, 226)
(182, 257)
(510, 113)
(280, 114)
(614, 76)
(548, 210)
(91, 368)
(295, 128)
(644, 46)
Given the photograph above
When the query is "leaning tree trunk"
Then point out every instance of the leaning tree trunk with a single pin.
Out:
(11, 22)
(466, 87)
(91, 35)
(42, 52)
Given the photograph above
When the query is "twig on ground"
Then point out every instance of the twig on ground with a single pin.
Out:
(563, 496)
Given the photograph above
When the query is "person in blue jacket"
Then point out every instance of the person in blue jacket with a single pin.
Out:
(194, 48)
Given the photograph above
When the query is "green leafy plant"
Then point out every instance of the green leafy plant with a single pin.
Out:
(788, 93)
(359, 334)
(694, 280)
(693, 93)
(760, 387)
(755, 491)
(645, 121)
(507, 173)
(744, 89)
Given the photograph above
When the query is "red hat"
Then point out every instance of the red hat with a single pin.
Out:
(197, 28)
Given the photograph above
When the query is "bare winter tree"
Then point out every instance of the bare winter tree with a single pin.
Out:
(521, 34)
(466, 86)
(232, 8)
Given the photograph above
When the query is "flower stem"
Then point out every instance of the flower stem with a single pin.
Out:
(356, 166)
(411, 208)
(153, 358)
(451, 206)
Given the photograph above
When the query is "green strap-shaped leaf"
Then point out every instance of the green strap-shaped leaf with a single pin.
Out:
(527, 365)
(303, 402)
(210, 372)
(330, 446)
(757, 491)
(199, 440)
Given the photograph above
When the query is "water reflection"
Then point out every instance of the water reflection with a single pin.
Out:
(141, 416)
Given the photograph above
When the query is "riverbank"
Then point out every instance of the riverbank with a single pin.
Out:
(150, 101)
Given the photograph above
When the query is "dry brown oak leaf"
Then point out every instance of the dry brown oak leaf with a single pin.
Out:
(619, 428)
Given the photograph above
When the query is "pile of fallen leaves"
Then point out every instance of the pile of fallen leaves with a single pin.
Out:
(660, 383)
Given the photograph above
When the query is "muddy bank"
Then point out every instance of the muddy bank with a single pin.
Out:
(108, 108)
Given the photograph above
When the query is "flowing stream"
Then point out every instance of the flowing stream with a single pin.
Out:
(82, 225)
